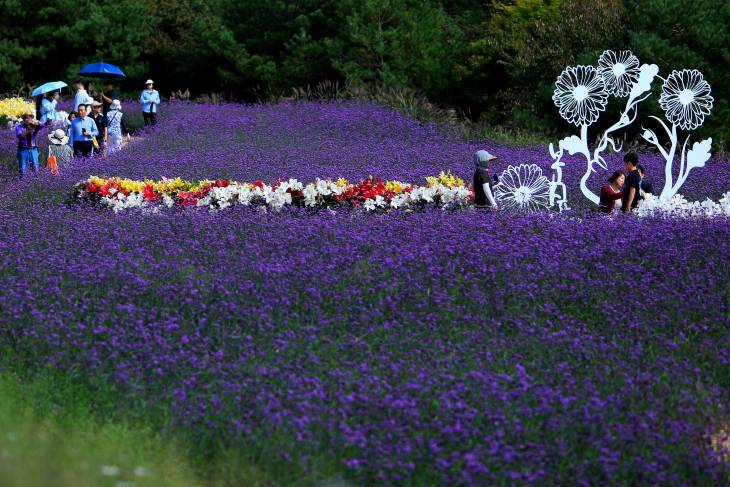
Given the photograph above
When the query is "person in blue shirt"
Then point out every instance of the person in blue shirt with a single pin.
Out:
(149, 99)
(82, 97)
(83, 129)
(48, 108)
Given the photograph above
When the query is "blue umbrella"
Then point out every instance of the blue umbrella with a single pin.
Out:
(102, 70)
(47, 87)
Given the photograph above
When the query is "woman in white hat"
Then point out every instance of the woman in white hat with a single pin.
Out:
(149, 99)
(115, 126)
(59, 147)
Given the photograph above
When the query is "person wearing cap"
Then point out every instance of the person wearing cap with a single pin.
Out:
(100, 121)
(82, 97)
(483, 184)
(58, 146)
(149, 99)
(83, 129)
(27, 148)
(115, 127)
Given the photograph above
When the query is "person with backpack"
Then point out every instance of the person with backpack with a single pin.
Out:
(150, 99)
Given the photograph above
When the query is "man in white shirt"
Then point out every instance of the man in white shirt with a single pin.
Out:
(82, 97)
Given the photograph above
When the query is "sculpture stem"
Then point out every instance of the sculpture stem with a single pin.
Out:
(589, 169)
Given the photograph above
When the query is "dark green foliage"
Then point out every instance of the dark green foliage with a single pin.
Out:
(494, 59)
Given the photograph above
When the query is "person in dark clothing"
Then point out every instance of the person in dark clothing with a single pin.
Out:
(645, 186)
(632, 188)
(108, 96)
(101, 125)
(611, 192)
(483, 184)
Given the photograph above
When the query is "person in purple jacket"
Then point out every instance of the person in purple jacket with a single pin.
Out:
(27, 148)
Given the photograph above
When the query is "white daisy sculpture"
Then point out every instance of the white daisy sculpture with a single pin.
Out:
(686, 101)
(686, 98)
(580, 95)
(619, 70)
(523, 187)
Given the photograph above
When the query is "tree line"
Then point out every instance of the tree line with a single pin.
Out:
(496, 60)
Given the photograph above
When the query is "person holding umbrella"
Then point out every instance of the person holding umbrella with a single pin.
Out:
(48, 107)
(27, 147)
(149, 99)
(108, 96)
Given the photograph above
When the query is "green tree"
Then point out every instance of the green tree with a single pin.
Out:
(398, 43)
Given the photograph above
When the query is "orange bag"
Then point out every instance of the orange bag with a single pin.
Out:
(52, 165)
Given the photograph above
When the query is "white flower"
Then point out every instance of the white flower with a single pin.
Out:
(369, 204)
(619, 70)
(523, 187)
(323, 188)
(109, 470)
(310, 195)
(686, 98)
(141, 472)
(580, 95)
(678, 206)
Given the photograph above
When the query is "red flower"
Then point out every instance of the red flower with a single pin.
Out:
(258, 184)
(222, 184)
(148, 193)
(92, 188)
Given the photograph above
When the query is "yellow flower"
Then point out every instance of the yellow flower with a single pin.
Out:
(342, 182)
(15, 107)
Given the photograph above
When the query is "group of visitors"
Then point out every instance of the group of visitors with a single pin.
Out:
(629, 189)
(95, 126)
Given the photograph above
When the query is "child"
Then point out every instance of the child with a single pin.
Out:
(645, 186)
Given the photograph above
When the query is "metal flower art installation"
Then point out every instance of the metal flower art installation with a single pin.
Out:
(581, 95)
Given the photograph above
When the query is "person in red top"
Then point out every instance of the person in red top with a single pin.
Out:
(612, 192)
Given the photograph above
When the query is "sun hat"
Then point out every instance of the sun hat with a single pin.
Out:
(482, 157)
(96, 104)
(58, 137)
(149, 82)
(116, 105)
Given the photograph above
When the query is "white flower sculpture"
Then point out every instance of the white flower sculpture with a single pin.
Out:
(686, 98)
(619, 70)
(523, 187)
(686, 102)
(580, 95)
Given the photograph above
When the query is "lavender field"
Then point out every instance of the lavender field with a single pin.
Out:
(405, 348)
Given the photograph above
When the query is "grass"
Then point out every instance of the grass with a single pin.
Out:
(56, 430)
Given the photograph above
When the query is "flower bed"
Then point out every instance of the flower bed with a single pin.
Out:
(445, 191)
